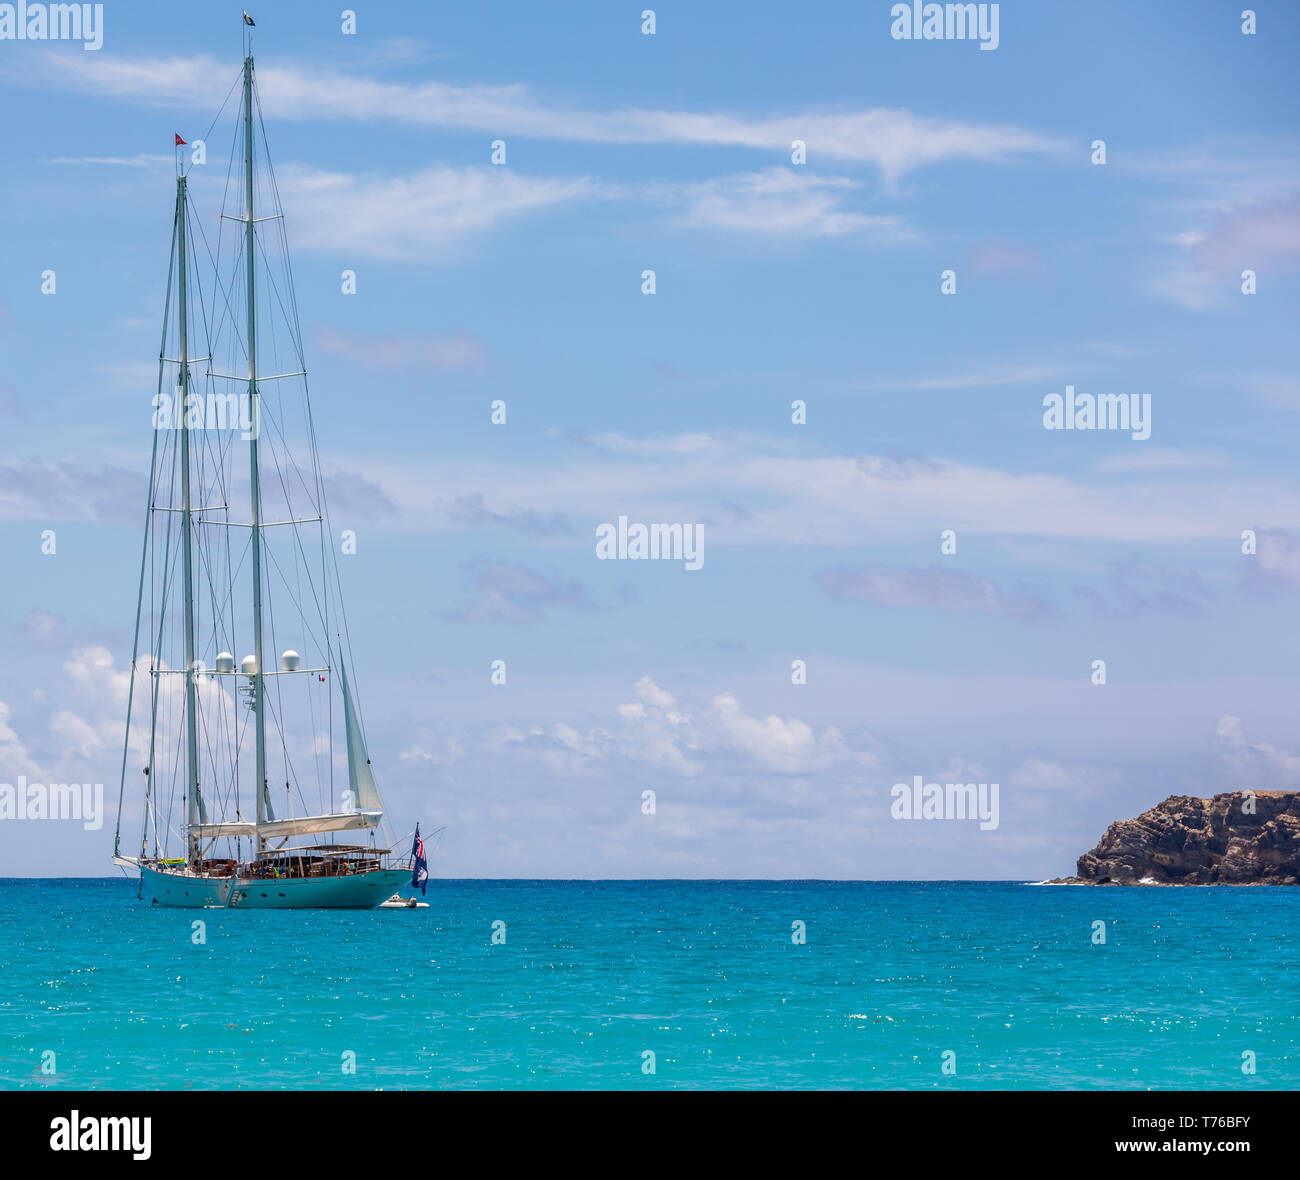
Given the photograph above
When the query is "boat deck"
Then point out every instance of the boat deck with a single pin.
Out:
(315, 861)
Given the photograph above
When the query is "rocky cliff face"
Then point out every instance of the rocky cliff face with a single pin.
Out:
(1246, 838)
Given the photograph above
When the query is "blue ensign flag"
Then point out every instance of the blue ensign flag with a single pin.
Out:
(420, 871)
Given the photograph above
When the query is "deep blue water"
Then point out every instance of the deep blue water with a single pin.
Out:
(704, 975)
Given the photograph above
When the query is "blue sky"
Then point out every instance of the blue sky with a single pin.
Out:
(775, 282)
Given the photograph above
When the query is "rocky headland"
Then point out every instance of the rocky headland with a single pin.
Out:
(1245, 838)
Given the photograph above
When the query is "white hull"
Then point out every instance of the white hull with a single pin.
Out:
(359, 891)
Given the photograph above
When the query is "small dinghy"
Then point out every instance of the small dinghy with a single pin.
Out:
(398, 902)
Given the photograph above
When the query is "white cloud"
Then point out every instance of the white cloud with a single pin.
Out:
(690, 443)
(1038, 774)
(1259, 765)
(657, 731)
(15, 758)
(76, 734)
(67, 490)
(1277, 557)
(139, 160)
(895, 141)
(753, 490)
(505, 592)
(91, 670)
(1278, 389)
(998, 257)
(790, 497)
(654, 696)
(1191, 287)
(139, 377)
(933, 588)
(781, 201)
(1220, 177)
(430, 213)
(1161, 459)
(426, 214)
(403, 352)
(1254, 234)
(783, 743)
(82, 741)
(996, 376)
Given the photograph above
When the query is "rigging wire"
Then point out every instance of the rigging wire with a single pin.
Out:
(222, 562)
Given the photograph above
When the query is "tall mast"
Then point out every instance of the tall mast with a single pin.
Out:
(258, 678)
(187, 541)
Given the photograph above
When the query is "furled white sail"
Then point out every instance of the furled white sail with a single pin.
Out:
(309, 825)
(238, 828)
(365, 794)
(302, 825)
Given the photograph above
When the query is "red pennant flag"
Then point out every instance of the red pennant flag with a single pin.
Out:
(180, 142)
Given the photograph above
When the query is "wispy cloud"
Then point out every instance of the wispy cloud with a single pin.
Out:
(1278, 389)
(1218, 178)
(69, 491)
(894, 141)
(1253, 235)
(997, 257)
(1206, 270)
(41, 627)
(1191, 287)
(1276, 562)
(131, 377)
(429, 214)
(1120, 599)
(1108, 348)
(980, 379)
(1255, 764)
(690, 443)
(473, 510)
(1036, 774)
(1161, 459)
(933, 588)
(503, 592)
(140, 160)
(352, 497)
(400, 51)
(403, 352)
(426, 214)
(781, 201)
(791, 496)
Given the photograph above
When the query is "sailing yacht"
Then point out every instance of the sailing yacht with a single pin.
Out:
(237, 794)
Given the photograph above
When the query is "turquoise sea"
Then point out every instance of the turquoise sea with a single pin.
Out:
(592, 976)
